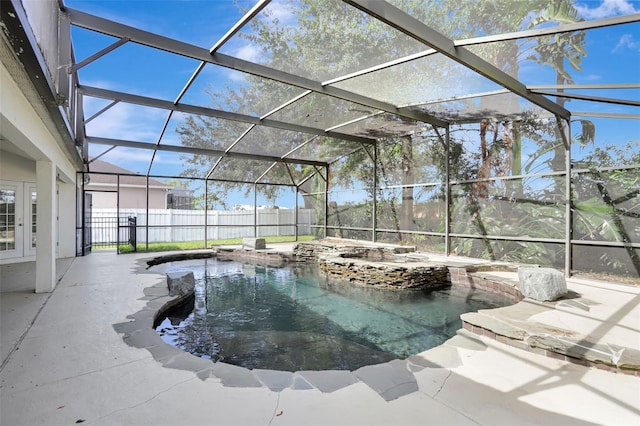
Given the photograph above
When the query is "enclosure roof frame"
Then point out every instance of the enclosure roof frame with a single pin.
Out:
(202, 151)
(405, 23)
(115, 29)
(382, 11)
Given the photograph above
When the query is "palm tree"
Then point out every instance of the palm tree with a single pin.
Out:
(554, 51)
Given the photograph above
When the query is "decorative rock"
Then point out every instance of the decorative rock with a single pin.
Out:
(180, 283)
(544, 284)
(254, 243)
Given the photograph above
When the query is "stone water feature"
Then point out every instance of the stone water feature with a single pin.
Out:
(377, 266)
(390, 266)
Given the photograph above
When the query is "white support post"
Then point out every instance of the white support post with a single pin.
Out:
(206, 213)
(568, 212)
(447, 192)
(255, 211)
(295, 215)
(374, 213)
(326, 201)
(46, 221)
(66, 222)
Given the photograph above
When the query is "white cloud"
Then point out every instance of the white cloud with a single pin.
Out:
(627, 42)
(248, 52)
(127, 121)
(135, 160)
(169, 158)
(592, 77)
(138, 160)
(236, 77)
(282, 12)
(135, 123)
(606, 9)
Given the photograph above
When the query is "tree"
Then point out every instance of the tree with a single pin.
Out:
(309, 46)
(555, 51)
(607, 206)
(330, 39)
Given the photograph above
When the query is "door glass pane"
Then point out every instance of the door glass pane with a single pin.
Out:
(8, 219)
(33, 219)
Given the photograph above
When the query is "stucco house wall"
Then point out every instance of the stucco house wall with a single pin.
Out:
(130, 197)
(102, 179)
(36, 152)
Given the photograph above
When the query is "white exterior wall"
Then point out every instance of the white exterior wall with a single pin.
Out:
(14, 167)
(43, 19)
(136, 198)
(22, 126)
(31, 142)
(66, 221)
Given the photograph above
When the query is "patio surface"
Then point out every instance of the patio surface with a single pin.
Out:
(63, 362)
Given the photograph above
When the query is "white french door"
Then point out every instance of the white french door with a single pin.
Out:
(17, 219)
(30, 199)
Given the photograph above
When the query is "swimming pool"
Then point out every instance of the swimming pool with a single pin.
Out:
(291, 318)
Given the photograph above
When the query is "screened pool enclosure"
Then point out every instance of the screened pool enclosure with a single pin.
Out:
(494, 129)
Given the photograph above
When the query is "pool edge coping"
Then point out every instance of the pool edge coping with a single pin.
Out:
(139, 332)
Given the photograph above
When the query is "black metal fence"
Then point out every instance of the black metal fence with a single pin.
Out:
(111, 232)
(132, 237)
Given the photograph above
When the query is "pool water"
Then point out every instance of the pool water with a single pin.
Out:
(293, 319)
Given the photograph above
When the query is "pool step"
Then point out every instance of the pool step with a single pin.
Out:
(516, 326)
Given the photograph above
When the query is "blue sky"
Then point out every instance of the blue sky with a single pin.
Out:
(613, 57)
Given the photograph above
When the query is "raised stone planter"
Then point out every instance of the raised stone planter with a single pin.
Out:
(309, 252)
(384, 275)
(543, 284)
(372, 265)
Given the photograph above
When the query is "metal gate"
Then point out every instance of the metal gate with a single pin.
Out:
(106, 232)
(111, 232)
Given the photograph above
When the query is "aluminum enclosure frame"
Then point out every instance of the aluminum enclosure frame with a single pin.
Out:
(70, 92)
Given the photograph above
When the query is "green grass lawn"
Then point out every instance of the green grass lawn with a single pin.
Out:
(193, 245)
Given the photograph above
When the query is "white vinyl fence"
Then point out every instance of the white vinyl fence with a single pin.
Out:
(188, 225)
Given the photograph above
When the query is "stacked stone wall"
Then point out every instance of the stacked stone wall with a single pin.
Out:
(401, 277)
(263, 257)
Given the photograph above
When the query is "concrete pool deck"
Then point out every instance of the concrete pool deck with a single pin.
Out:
(64, 363)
